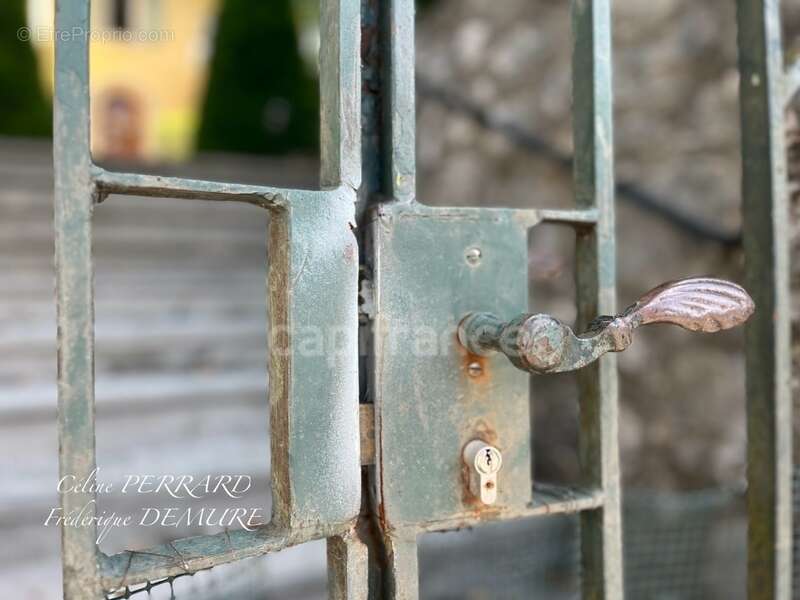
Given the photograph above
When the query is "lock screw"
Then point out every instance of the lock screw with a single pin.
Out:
(473, 256)
(474, 369)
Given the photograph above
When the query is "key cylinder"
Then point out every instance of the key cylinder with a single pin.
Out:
(483, 462)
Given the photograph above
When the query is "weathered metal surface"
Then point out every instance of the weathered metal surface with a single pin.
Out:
(403, 567)
(340, 91)
(194, 554)
(388, 160)
(542, 344)
(157, 186)
(701, 304)
(601, 537)
(548, 499)
(765, 236)
(75, 297)
(313, 367)
(400, 102)
(428, 405)
(348, 575)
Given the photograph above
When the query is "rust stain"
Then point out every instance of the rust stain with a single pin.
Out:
(483, 431)
(476, 368)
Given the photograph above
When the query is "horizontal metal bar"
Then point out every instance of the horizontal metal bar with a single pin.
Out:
(527, 217)
(190, 555)
(586, 216)
(136, 184)
(548, 499)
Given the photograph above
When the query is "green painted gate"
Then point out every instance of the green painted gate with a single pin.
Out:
(428, 429)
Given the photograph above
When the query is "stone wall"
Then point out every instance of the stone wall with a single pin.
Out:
(677, 135)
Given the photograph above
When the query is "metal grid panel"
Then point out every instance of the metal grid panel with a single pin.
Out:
(313, 252)
(593, 219)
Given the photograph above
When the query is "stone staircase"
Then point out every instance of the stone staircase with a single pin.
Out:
(181, 384)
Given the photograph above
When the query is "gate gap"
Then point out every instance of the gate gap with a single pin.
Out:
(181, 364)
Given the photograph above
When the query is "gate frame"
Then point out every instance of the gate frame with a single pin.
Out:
(389, 175)
(316, 479)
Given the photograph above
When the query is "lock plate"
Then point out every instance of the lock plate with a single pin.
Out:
(432, 266)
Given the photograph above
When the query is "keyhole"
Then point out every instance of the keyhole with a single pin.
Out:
(488, 457)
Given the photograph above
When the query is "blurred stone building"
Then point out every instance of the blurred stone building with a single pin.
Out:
(149, 63)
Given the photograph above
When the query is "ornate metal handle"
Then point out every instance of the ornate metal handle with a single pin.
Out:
(543, 344)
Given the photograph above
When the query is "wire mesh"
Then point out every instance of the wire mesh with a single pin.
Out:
(677, 546)
(687, 545)
(672, 544)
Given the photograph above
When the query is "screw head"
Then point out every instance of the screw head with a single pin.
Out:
(473, 256)
(474, 369)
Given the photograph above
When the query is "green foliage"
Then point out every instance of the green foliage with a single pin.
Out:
(423, 5)
(260, 98)
(23, 108)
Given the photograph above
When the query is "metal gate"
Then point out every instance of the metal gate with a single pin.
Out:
(429, 428)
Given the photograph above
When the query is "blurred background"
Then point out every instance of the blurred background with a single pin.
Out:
(227, 90)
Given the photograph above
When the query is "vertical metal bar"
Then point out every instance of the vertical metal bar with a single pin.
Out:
(348, 572)
(601, 539)
(389, 172)
(403, 575)
(400, 112)
(765, 221)
(313, 253)
(74, 280)
(316, 466)
(340, 93)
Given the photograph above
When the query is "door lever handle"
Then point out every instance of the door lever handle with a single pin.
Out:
(540, 343)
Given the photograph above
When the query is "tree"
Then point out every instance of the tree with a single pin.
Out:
(260, 97)
(23, 108)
